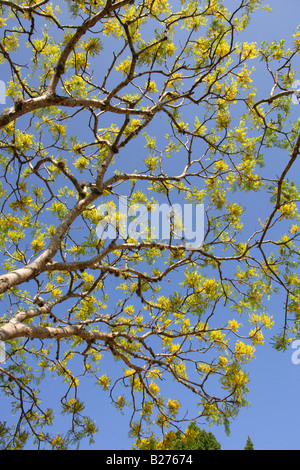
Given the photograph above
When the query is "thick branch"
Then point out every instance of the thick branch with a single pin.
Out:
(23, 8)
(47, 100)
(15, 329)
(33, 269)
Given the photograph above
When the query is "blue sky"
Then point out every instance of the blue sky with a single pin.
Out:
(273, 416)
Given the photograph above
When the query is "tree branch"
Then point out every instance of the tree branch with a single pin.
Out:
(28, 272)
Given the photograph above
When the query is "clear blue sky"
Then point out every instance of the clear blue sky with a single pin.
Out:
(272, 419)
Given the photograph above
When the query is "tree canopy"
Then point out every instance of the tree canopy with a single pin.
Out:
(249, 444)
(193, 438)
(148, 211)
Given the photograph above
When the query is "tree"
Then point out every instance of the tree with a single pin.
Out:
(122, 118)
(193, 438)
(249, 444)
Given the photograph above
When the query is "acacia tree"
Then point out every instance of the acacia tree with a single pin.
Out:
(144, 102)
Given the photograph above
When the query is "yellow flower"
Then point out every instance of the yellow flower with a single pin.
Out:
(257, 336)
(124, 66)
(234, 325)
(154, 373)
(288, 210)
(217, 336)
(241, 378)
(220, 165)
(56, 292)
(37, 244)
(205, 368)
(223, 120)
(294, 229)
(243, 352)
(222, 49)
(104, 381)
(249, 51)
(243, 78)
(120, 402)
(209, 286)
(134, 124)
(173, 406)
(154, 389)
(151, 87)
(112, 27)
(223, 361)
(170, 49)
